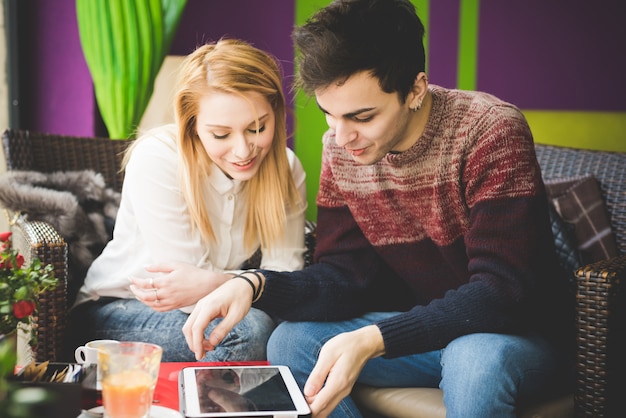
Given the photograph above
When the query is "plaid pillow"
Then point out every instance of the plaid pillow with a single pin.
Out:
(578, 201)
(566, 246)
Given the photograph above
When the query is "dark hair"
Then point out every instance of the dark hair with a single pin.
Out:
(350, 36)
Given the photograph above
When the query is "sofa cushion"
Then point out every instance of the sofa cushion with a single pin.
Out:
(566, 246)
(579, 202)
(400, 402)
(428, 403)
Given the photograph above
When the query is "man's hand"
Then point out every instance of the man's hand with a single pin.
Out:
(339, 364)
(231, 301)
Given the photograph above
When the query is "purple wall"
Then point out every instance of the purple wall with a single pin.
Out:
(554, 55)
(266, 24)
(537, 54)
(558, 54)
(443, 39)
(56, 93)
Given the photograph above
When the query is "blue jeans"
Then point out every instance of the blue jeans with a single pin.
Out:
(131, 320)
(481, 375)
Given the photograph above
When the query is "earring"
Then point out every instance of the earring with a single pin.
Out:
(418, 106)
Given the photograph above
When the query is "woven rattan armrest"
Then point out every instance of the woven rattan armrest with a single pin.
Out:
(48, 153)
(40, 240)
(601, 328)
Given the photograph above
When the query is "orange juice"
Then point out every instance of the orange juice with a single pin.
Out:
(127, 394)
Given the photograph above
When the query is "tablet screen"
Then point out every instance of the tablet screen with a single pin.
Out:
(216, 391)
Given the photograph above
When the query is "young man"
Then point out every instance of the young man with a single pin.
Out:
(435, 264)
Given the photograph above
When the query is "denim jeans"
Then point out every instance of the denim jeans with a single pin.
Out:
(131, 320)
(481, 375)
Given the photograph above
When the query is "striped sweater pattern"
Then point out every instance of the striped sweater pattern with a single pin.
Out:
(452, 233)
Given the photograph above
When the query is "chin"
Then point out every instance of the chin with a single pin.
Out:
(242, 176)
(366, 159)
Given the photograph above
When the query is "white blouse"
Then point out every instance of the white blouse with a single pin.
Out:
(153, 224)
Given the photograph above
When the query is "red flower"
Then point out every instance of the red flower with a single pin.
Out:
(23, 308)
(20, 261)
(5, 239)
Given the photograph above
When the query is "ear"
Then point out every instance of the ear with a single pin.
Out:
(418, 91)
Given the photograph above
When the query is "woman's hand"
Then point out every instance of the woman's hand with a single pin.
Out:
(231, 301)
(339, 364)
(175, 285)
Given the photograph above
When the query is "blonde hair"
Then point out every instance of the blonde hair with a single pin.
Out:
(234, 66)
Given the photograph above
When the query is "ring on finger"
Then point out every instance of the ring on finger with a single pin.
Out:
(151, 282)
(156, 296)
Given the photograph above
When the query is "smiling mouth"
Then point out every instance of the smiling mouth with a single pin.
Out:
(243, 164)
(356, 152)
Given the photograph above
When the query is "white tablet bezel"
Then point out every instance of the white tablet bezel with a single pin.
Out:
(188, 392)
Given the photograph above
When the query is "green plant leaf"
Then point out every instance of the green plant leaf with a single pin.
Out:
(125, 43)
(21, 293)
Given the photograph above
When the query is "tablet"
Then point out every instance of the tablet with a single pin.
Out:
(240, 391)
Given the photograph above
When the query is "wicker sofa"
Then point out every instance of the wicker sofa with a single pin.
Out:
(600, 375)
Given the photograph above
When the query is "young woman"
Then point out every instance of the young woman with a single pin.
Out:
(200, 197)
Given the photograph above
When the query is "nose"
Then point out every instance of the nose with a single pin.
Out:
(242, 148)
(344, 134)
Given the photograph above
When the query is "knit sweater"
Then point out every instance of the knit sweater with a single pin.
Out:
(453, 234)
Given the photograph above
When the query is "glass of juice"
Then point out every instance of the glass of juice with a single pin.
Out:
(129, 372)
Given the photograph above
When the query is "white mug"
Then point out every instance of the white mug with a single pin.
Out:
(88, 354)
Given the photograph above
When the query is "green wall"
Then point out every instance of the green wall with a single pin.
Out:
(309, 122)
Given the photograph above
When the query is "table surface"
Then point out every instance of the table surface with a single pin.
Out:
(166, 391)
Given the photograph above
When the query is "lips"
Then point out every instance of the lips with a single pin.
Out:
(356, 152)
(243, 164)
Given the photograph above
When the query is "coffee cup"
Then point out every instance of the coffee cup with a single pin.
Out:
(88, 354)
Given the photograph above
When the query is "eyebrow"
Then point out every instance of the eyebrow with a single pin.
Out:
(349, 114)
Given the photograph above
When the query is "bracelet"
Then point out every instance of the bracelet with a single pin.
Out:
(254, 289)
(261, 284)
